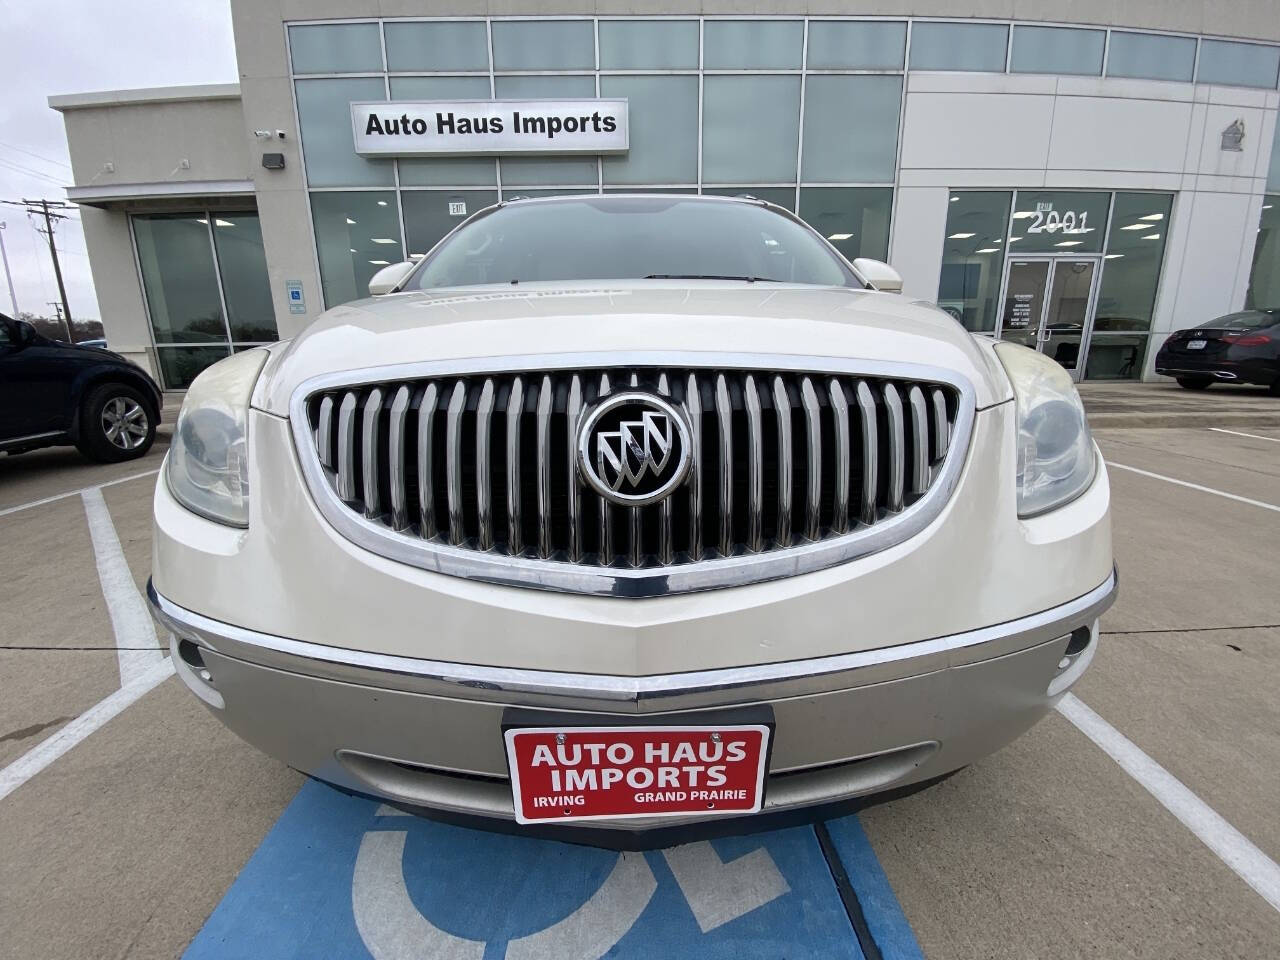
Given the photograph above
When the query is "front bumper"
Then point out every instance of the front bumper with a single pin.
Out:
(427, 733)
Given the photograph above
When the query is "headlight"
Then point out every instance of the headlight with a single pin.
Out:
(1056, 460)
(208, 469)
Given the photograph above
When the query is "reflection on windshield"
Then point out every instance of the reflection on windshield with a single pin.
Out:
(623, 238)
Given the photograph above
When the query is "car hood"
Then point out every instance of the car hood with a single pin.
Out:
(628, 317)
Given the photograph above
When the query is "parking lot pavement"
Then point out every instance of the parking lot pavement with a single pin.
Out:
(133, 825)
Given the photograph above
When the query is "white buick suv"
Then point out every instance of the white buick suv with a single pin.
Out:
(628, 517)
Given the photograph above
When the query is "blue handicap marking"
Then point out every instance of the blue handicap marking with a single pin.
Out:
(342, 876)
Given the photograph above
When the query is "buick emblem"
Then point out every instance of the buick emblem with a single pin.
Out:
(634, 448)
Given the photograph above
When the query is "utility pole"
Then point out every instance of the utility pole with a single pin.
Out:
(13, 297)
(53, 252)
(46, 209)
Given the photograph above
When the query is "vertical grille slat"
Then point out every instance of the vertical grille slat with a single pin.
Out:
(604, 533)
(919, 441)
(426, 463)
(897, 448)
(941, 425)
(813, 452)
(484, 479)
(488, 462)
(453, 462)
(782, 407)
(324, 433)
(396, 456)
(693, 404)
(515, 406)
(724, 503)
(870, 453)
(545, 398)
(347, 447)
(840, 410)
(369, 459)
(666, 508)
(755, 467)
(573, 502)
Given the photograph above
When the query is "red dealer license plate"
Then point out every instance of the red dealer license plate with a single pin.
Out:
(593, 773)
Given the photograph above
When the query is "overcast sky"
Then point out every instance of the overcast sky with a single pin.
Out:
(73, 46)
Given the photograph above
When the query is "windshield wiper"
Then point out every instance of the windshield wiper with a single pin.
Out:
(705, 276)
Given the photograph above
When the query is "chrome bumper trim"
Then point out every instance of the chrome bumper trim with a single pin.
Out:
(640, 694)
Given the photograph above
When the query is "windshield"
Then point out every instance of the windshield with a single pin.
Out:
(629, 238)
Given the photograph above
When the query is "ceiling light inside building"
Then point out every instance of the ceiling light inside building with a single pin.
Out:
(1024, 214)
(380, 263)
(1068, 243)
(1153, 216)
(202, 220)
(223, 223)
(840, 236)
(988, 250)
(382, 203)
(382, 240)
(349, 220)
(353, 249)
(1113, 256)
(1152, 236)
(1137, 226)
(960, 236)
(954, 199)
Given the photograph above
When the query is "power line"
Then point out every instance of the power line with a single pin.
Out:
(28, 171)
(36, 155)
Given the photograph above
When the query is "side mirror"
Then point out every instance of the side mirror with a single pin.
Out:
(388, 278)
(23, 333)
(879, 274)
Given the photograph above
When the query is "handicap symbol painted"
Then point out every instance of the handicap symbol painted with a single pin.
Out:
(342, 876)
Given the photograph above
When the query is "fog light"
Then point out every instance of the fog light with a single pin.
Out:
(1075, 658)
(188, 662)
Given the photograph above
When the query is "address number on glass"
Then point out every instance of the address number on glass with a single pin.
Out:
(1048, 220)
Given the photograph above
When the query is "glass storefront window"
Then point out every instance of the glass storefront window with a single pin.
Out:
(780, 196)
(1151, 56)
(1113, 357)
(973, 257)
(444, 171)
(749, 128)
(246, 288)
(538, 170)
(357, 234)
(335, 48)
(752, 44)
(1058, 221)
(443, 46)
(427, 215)
(176, 253)
(854, 219)
(1264, 280)
(1057, 50)
(959, 46)
(664, 130)
(854, 45)
(1131, 270)
(648, 45)
(179, 277)
(324, 118)
(518, 194)
(1238, 64)
(850, 128)
(180, 365)
(544, 45)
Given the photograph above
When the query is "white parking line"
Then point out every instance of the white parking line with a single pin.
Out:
(40, 756)
(1253, 436)
(75, 493)
(1232, 847)
(135, 632)
(1112, 465)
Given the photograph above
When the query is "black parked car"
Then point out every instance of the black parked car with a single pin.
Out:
(1238, 348)
(55, 393)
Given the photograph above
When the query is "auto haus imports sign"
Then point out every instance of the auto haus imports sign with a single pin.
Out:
(452, 127)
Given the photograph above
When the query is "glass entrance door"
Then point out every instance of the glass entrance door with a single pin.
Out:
(1048, 305)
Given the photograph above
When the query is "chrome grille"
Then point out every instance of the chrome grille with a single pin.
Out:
(473, 472)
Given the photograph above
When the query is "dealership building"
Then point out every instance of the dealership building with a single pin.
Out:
(1084, 187)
